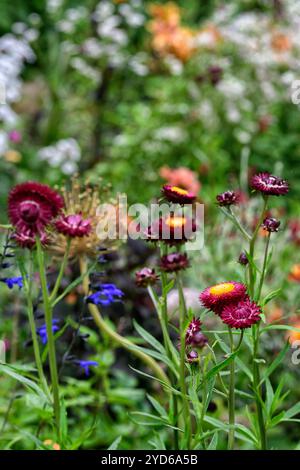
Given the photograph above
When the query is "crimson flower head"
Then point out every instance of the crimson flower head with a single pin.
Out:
(192, 356)
(177, 195)
(146, 277)
(270, 224)
(243, 259)
(172, 230)
(31, 207)
(193, 327)
(269, 185)
(242, 314)
(27, 240)
(174, 262)
(198, 340)
(73, 225)
(216, 297)
(228, 198)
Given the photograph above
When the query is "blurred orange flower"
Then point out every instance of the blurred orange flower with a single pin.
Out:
(274, 315)
(182, 177)
(294, 335)
(280, 42)
(295, 273)
(168, 36)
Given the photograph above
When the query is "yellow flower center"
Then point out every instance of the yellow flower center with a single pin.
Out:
(178, 190)
(175, 221)
(221, 289)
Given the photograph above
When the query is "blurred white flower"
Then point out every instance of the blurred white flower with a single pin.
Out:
(64, 154)
(170, 133)
(3, 142)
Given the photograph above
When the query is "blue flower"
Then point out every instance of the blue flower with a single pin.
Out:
(42, 330)
(85, 365)
(13, 281)
(106, 295)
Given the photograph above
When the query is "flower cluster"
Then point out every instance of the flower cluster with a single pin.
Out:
(231, 302)
(195, 340)
(146, 277)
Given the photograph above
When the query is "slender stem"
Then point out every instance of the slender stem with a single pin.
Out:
(204, 398)
(61, 271)
(262, 278)
(50, 336)
(255, 334)
(231, 397)
(35, 342)
(237, 223)
(185, 401)
(168, 347)
(257, 389)
(124, 342)
(252, 248)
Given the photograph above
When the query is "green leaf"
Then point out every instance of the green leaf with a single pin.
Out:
(276, 362)
(294, 410)
(157, 406)
(115, 444)
(27, 383)
(214, 442)
(214, 370)
(271, 296)
(149, 338)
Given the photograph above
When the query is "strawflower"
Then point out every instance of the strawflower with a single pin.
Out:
(146, 277)
(73, 225)
(269, 185)
(216, 297)
(228, 198)
(178, 195)
(31, 207)
(242, 314)
(270, 224)
(174, 262)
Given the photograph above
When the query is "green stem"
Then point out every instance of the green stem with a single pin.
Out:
(61, 271)
(185, 401)
(255, 333)
(231, 397)
(257, 389)
(262, 278)
(252, 249)
(35, 341)
(50, 336)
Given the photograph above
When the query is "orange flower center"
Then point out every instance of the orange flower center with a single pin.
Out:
(175, 221)
(178, 190)
(221, 289)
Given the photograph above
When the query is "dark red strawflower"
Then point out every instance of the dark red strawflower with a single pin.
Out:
(228, 198)
(216, 297)
(192, 356)
(243, 259)
(172, 230)
(270, 224)
(198, 340)
(32, 206)
(174, 262)
(193, 327)
(242, 314)
(269, 185)
(146, 277)
(26, 240)
(177, 195)
(73, 225)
